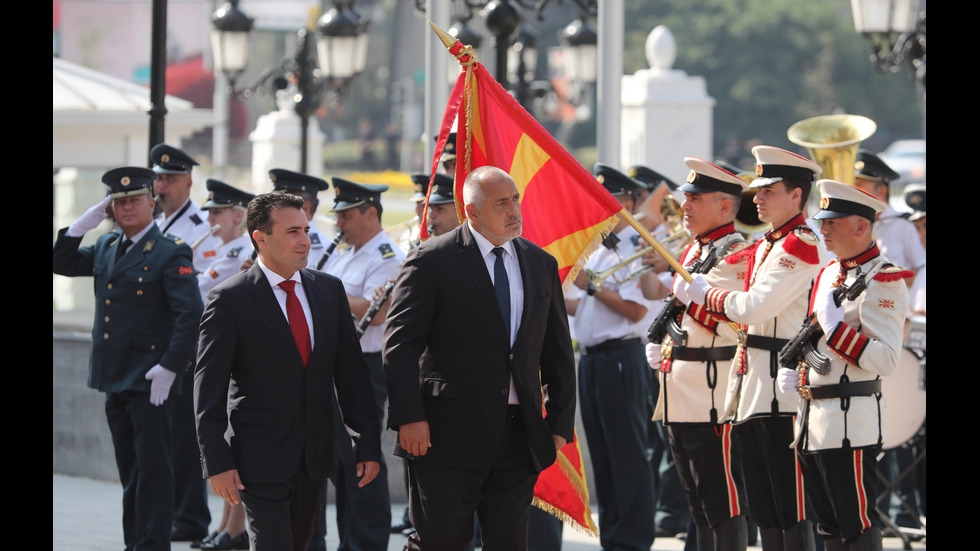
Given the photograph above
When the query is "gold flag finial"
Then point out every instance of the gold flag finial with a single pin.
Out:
(446, 38)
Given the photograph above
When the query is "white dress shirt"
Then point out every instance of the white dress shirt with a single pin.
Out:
(280, 293)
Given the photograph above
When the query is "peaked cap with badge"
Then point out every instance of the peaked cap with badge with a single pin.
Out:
(774, 165)
(708, 177)
(915, 198)
(126, 181)
(287, 180)
(222, 195)
(351, 194)
(838, 200)
(442, 189)
(650, 177)
(616, 182)
(167, 159)
(869, 166)
(421, 182)
(449, 150)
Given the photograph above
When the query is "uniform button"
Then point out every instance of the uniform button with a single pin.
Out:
(107, 301)
(140, 280)
(107, 319)
(105, 336)
(108, 286)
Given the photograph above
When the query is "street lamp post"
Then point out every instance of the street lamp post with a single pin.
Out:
(326, 60)
(896, 32)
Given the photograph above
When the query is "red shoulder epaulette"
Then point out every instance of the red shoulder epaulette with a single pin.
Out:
(802, 244)
(740, 254)
(893, 273)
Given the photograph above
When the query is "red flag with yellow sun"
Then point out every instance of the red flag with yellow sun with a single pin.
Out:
(564, 208)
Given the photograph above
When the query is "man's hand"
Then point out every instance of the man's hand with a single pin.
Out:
(654, 357)
(559, 441)
(414, 437)
(160, 379)
(829, 314)
(367, 471)
(786, 380)
(226, 486)
(92, 218)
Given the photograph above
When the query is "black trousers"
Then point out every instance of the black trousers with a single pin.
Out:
(840, 487)
(283, 516)
(710, 470)
(141, 439)
(442, 499)
(773, 480)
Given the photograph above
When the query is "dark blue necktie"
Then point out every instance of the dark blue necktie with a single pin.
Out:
(501, 285)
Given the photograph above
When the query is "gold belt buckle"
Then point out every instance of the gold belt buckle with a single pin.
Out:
(666, 348)
(804, 392)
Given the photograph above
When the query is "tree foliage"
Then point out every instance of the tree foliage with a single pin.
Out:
(771, 63)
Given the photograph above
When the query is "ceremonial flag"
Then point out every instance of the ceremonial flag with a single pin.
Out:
(564, 208)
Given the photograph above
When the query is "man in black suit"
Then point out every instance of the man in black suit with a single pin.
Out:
(476, 331)
(268, 440)
(147, 308)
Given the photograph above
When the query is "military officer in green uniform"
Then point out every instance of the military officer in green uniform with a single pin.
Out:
(147, 310)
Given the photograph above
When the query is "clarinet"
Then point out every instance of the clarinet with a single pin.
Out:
(374, 307)
(326, 254)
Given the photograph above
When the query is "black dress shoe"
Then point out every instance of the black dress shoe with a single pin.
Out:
(184, 534)
(224, 542)
(207, 538)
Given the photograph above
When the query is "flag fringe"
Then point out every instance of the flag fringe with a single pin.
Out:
(606, 227)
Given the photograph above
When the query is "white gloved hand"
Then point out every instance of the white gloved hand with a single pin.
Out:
(160, 379)
(828, 313)
(786, 380)
(653, 355)
(680, 290)
(697, 289)
(92, 218)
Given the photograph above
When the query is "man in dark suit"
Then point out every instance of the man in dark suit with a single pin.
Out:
(476, 331)
(268, 439)
(147, 309)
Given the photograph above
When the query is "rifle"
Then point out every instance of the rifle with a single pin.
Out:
(802, 347)
(658, 329)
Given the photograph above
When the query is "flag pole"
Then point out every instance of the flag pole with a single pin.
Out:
(625, 215)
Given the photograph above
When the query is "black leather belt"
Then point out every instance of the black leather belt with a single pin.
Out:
(765, 343)
(842, 390)
(717, 354)
(611, 344)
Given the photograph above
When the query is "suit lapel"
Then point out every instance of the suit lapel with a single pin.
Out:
(476, 267)
(266, 301)
(319, 306)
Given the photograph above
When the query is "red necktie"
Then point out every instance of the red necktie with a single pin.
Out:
(297, 321)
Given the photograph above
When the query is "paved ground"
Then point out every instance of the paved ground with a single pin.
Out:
(86, 516)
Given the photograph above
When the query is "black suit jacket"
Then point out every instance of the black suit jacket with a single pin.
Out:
(448, 360)
(258, 409)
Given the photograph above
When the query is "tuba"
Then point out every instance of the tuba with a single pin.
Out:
(833, 141)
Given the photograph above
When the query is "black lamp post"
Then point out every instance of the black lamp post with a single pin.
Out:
(896, 32)
(319, 69)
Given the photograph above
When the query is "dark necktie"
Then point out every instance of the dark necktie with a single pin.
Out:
(501, 285)
(297, 321)
(122, 248)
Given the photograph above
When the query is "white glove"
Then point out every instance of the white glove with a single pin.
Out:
(160, 380)
(786, 380)
(828, 313)
(680, 290)
(697, 289)
(653, 355)
(92, 218)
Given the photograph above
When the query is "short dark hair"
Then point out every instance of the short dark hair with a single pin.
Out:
(363, 207)
(259, 213)
(804, 187)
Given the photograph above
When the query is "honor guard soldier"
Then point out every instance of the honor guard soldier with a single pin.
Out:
(895, 235)
(780, 269)
(226, 207)
(372, 258)
(147, 310)
(411, 235)
(448, 157)
(693, 351)
(857, 340)
(307, 187)
(183, 218)
(178, 214)
(610, 320)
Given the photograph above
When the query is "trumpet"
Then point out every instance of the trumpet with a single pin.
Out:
(597, 278)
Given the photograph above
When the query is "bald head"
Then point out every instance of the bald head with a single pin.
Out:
(493, 204)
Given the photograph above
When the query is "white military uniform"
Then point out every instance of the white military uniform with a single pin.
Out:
(783, 264)
(190, 223)
(226, 261)
(685, 393)
(363, 271)
(319, 243)
(899, 241)
(864, 347)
